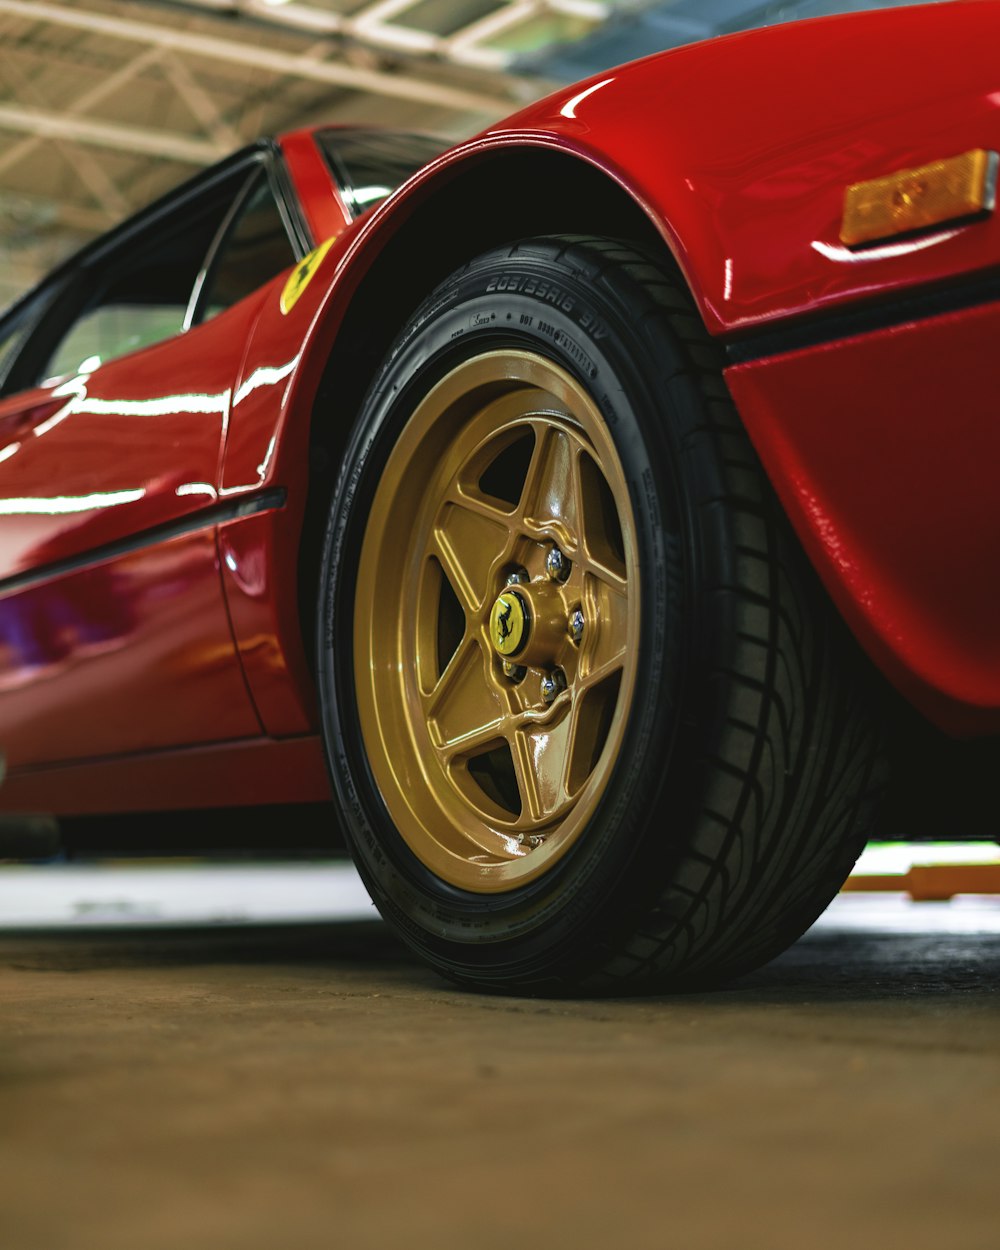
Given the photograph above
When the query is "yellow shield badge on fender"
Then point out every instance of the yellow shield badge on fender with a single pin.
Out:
(301, 276)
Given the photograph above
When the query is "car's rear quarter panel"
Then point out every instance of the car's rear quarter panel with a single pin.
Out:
(742, 147)
(884, 448)
(739, 151)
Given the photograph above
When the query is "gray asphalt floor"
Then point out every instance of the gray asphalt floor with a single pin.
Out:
(310, 1086)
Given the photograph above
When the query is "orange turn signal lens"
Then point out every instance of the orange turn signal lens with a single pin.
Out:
(912, 199)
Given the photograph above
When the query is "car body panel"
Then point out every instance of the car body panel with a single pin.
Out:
(746, 189)
(261, 587)
(743, 147)
(135, 444)
(883, 449)
(131, 450)
(123, 656)
(268, 445)
(254, 771)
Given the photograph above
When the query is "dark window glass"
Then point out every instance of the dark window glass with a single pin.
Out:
(370, 164)
(255, 249)
(115, 329)
(141, 294)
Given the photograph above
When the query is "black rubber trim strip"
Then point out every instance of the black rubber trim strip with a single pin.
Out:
(864, 320)
(228, 510)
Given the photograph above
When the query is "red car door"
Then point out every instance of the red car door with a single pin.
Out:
(114, 635)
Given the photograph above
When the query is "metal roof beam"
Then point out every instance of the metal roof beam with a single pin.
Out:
(120, 138)
(199, 102)
(279, 63)
(88, 168)
(80, 105)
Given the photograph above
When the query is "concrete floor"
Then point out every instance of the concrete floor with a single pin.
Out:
(312, 1086)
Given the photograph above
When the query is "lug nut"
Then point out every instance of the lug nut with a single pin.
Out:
(516, 672)
(518, 577)
(552, 683)
(576, 624)
(556, 565)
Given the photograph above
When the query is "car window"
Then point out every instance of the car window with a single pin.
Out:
(140, 294)
(113, 330)
(370, 164)
(255, 248)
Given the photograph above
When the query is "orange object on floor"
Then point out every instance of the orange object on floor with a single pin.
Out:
(932, 882)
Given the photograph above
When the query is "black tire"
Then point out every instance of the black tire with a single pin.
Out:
(750, 770)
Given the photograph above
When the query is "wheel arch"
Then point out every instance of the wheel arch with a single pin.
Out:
(490, 197)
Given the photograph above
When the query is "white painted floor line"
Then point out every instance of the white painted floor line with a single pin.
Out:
(91, 895)
(898, 913)
(888, 857)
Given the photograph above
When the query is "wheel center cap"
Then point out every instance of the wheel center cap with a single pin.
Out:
(510, 623)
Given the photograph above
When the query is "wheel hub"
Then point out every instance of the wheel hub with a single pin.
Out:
(530, 623)
(510, 624)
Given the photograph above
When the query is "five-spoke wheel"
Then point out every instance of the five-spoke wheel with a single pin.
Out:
(496, 620)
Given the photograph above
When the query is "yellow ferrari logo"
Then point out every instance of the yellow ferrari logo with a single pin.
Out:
(301, 276)
(509, 623)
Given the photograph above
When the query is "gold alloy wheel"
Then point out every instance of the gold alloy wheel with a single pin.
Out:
(496, 621)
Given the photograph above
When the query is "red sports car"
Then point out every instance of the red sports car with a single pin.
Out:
(594, 532)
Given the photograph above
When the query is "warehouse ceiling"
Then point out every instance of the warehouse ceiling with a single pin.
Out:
(105, 104)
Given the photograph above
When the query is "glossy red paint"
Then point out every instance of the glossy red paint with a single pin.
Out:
(133, 444)
(123, 656)
(747, 192)
(739, 152)
(268, 445)
(220, 775)
(740, 149)
(884, 450)
(324, 209)
(262, 594)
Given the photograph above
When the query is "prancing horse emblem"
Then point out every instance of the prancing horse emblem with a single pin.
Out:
(509, 623)
(503, 623)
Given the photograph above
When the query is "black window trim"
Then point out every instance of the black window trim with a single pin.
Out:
(293, 221)
(24, 317)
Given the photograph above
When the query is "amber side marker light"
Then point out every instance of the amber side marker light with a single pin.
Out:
(913, 199)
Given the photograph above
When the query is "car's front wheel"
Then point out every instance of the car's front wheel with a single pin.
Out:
(590, 720)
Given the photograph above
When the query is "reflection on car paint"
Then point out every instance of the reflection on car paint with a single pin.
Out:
(63, 619)
(64, 504)
(84, 658)
(265, 375)
(845, 255)
(197, 488)
(570, 107)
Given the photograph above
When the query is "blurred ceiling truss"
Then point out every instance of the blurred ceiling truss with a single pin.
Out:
(383, 24)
